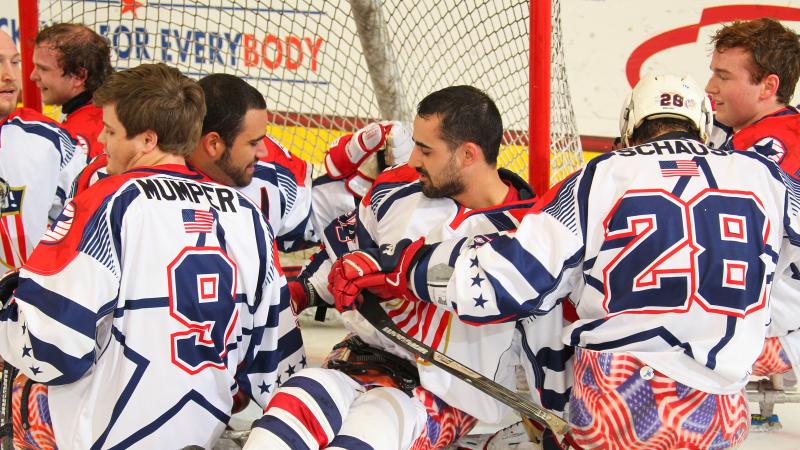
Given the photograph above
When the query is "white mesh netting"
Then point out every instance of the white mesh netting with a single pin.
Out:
(323, 74)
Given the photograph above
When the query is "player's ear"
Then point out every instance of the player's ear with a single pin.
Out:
(212, 144)
(471, 153)
(770, 85)
(80, 78)
(149, 140)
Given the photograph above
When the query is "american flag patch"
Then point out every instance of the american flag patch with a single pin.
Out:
(196, 221)
(679, 168)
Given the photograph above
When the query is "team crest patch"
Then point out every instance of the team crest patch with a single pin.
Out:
(771, 147)
(10, 198)
(346, 227)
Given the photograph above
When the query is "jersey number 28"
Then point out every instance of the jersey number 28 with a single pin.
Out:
(675, 252)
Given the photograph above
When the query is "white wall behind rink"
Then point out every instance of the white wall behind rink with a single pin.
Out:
(600, 37)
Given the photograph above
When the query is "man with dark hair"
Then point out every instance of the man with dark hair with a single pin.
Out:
(153, 299)
(373, 394)
(668, 251)
(234, 150)
(756, 65)
(70, 62)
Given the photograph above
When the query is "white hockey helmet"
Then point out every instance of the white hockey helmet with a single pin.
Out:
(666, 96)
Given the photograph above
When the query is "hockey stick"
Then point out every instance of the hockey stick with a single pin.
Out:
(6, 424)
(377, 316)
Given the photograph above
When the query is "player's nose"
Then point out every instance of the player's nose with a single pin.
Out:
(261, 149)
(414, 158)
(711, 86)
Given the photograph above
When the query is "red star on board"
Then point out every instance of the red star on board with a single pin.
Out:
(131, 6)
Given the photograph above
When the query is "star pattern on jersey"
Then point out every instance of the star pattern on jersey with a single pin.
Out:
(771, 148)
(26, 351)
(35, 370)
(473, 262)
(303, 362)
(290, 370)
(477, 280)
(24, 327)
(264, 387)
(480, 301)
(278, 381)
(795, 271)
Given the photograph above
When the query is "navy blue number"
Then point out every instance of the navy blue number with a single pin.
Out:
(647, 226)
(674, 252)
(730, 232)
(202, 289)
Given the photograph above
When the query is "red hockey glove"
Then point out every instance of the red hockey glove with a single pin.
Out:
(385, 273)
(349, 151)
(303, 295)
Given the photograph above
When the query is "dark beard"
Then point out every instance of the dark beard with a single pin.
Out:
(452, 186)
(239, 176)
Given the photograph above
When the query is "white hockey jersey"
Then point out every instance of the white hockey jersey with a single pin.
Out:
(282, 187)
(333, 216)
(667, 249)
(396, 209)
(154, 295)
(38, 161)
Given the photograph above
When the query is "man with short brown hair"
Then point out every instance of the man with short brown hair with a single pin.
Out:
(152, 300)
(755, 66)
(70, 62)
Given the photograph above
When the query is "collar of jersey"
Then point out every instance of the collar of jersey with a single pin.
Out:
(178, 170)
(76, 102)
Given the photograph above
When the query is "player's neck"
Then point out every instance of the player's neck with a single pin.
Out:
(764, 110)
(158, 158)
(483, 190)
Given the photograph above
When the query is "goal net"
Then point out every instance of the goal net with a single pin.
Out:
(329, 67)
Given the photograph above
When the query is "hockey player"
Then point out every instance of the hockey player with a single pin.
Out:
(70, 62)
(157, 257)
(450, 188)
(38, 160)
(667, 249)
(235, 151)
(756, 65)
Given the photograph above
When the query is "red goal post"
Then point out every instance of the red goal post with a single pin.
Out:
(330, 67)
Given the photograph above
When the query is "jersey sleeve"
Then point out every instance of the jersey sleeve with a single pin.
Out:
(786, 284)
(275, 350)
(338, 238)
(73, 160)
(294, 183)
(52, 327)
(503, 277)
